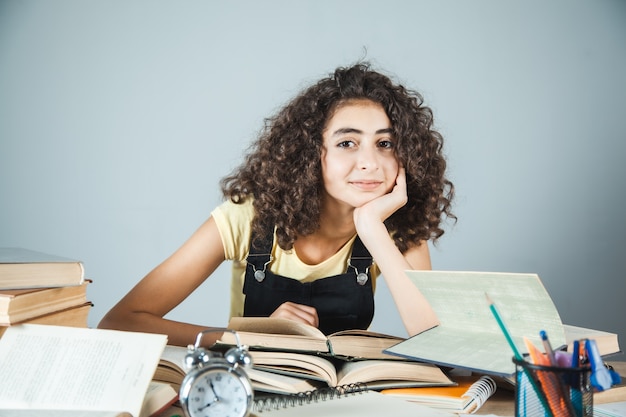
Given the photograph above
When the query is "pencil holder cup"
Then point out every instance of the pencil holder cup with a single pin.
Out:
(552, 391)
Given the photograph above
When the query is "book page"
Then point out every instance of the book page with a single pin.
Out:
(465, 348)
(175, 355)
(55, 368)
(469, 335)
(159, 396)
(271, 325)
(277, 383)
(296, 364)
(373, 370)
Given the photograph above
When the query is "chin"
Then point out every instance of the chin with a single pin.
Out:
(356, 203)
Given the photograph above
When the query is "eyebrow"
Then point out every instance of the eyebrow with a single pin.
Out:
(344, 130)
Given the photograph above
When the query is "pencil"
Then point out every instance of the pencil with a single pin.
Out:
(505, 331)
(518, 355)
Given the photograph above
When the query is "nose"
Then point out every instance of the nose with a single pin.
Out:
(367, 159)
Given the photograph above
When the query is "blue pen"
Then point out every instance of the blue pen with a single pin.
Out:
(576, 394)
(601, 377)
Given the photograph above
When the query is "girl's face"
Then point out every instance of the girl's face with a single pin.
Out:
(358, 159)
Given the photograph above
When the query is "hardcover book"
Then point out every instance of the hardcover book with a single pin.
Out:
(23, 268)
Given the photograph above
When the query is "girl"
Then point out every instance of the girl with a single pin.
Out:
(346, 183)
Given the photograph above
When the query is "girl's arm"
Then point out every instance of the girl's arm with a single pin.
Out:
(415, 311)
(144, 307)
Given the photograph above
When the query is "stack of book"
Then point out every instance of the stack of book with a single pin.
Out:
(291, 357)
(296, 364)
(40, 288)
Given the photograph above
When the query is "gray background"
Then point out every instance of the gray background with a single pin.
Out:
(118, 118)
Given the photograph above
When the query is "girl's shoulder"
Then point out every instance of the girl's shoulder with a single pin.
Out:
(234, 215)
(234, 222)
(242, 209)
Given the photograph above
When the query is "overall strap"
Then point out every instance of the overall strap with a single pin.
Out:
(360, 261)
(260, 254)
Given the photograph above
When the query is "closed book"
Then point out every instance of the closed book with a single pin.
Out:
(607, 342)
(466, 397)
(72, 317)
(23, 268)
(20, 305)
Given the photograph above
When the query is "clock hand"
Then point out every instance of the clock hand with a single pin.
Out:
(217, 398)
(208, 404)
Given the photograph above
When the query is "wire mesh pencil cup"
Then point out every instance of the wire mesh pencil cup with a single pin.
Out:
(552, 391)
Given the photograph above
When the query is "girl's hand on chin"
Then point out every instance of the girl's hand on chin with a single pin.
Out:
(379, 209)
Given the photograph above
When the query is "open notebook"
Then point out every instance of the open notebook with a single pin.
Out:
(468, 335)
(357, 404)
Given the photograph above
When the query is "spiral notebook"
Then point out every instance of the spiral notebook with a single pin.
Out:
(466, 397)
(342, 402)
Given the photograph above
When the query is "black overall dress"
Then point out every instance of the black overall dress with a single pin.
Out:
(342, 301)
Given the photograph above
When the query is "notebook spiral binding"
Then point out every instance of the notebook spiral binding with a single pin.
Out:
(481, 390)
(302, 398)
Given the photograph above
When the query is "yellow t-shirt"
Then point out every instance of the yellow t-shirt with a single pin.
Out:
(234, 224)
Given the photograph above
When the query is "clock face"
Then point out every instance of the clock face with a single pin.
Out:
(218, 392)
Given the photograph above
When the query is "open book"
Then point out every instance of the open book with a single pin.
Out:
(466, 397)
(376, 373)
(292, 373)
(171, 370)
(265, 333)
(50, 370)
(468, 336)
(159, 397)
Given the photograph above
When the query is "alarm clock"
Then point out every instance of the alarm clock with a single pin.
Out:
(216, 385)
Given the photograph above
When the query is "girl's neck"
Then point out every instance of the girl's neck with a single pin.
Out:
(336, 229)
(337, 221)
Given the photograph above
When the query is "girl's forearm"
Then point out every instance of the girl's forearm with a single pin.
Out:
(415, 311)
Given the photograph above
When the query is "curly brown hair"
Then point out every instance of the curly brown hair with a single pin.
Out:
(282, 170)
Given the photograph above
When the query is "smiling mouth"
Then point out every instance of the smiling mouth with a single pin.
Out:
(366, 185)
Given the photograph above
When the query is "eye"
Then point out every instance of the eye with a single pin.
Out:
(386, 144)
(346, 144)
